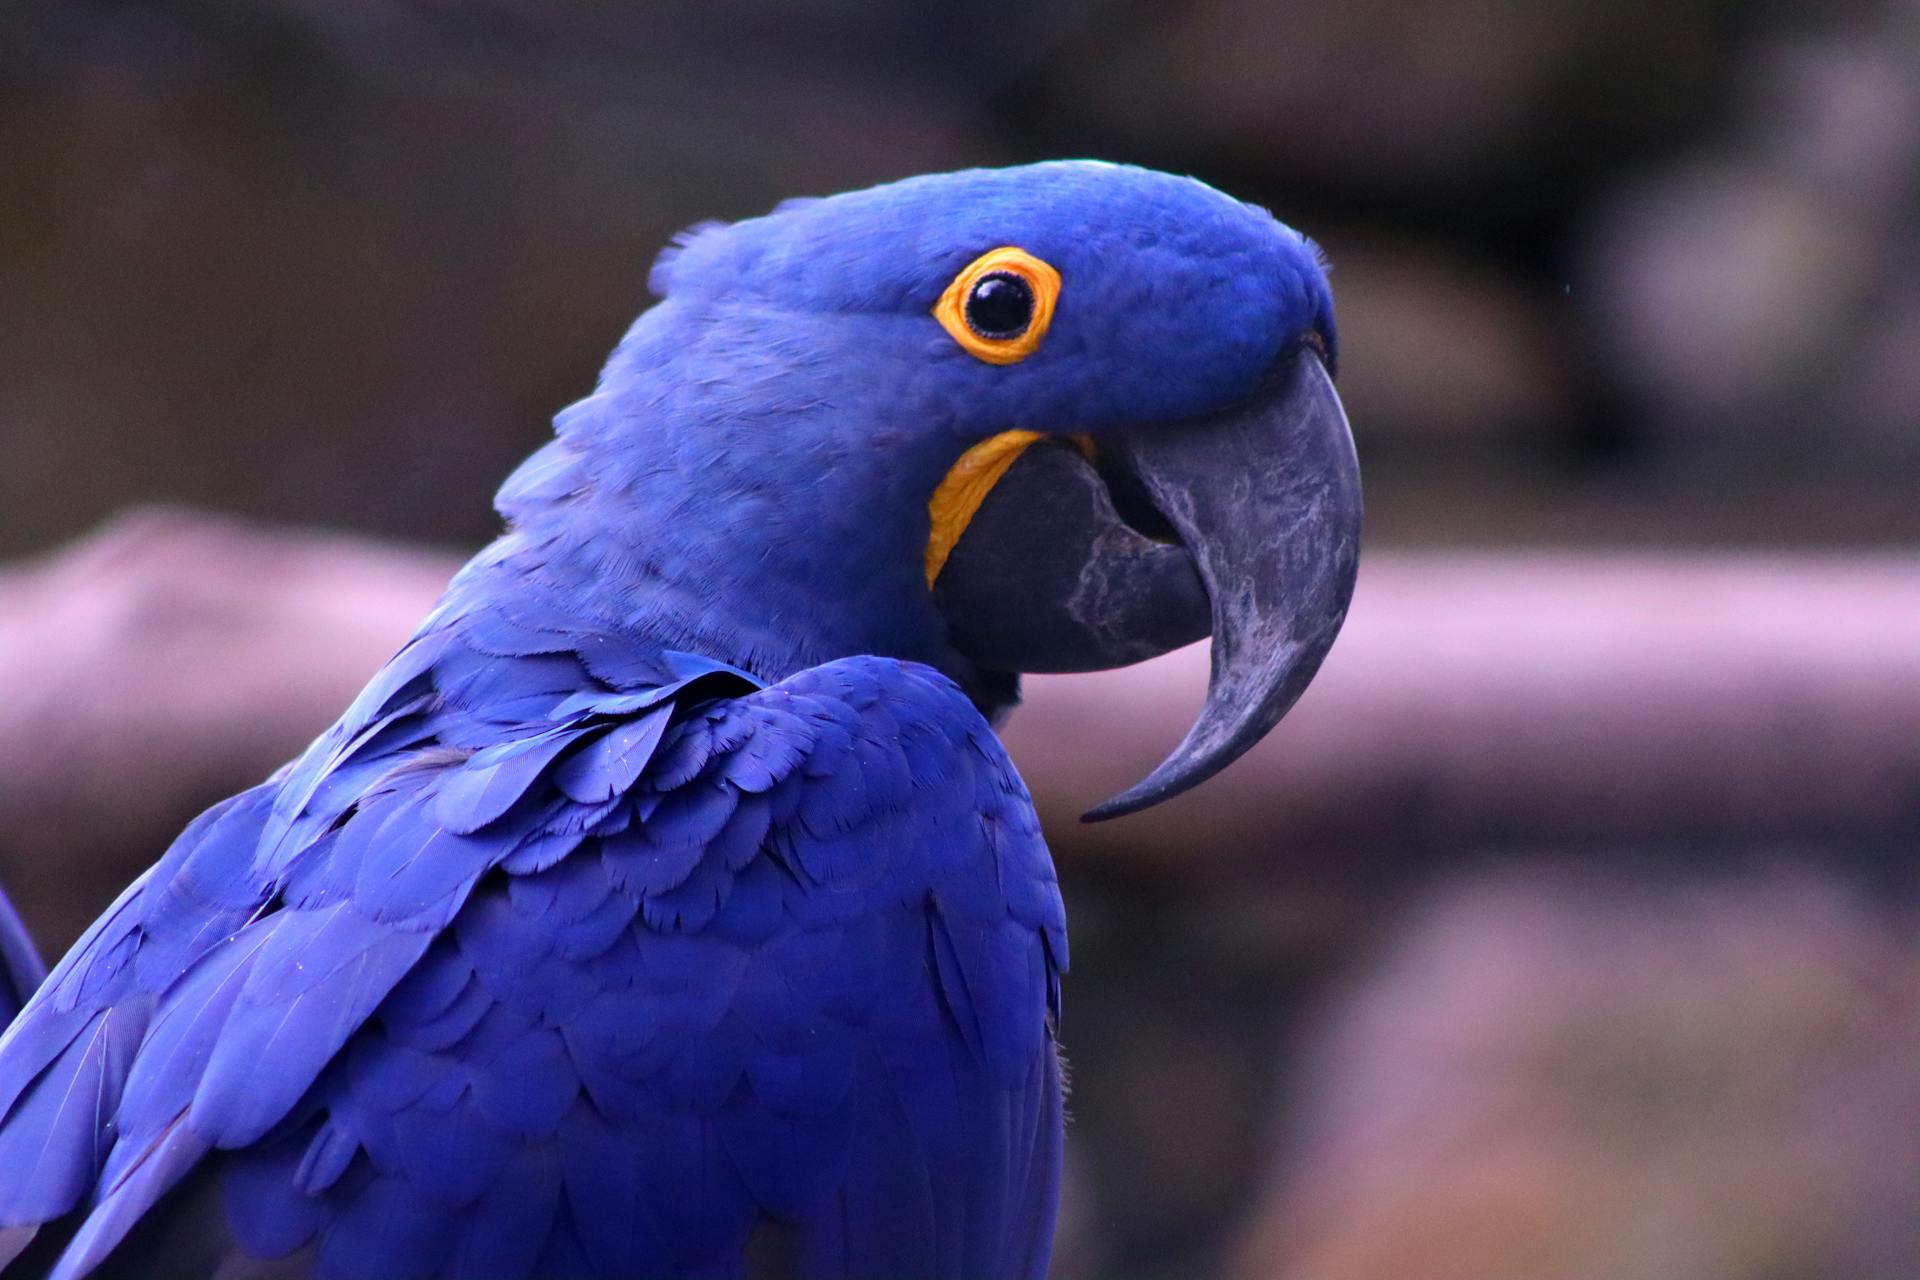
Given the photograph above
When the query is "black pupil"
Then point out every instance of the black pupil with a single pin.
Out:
(1000, 306)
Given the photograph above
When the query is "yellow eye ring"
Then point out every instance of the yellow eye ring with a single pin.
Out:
(1001, 276)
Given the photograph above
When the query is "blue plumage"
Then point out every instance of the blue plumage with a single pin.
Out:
(422, 1055)
(667, 900)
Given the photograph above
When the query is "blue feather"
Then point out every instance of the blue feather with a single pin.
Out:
(600, 1170)
(480, 791)
(449, 1026)
(453, 1153)
(282, 1033)
(321, 1166)
(161, 1164)
(504, 1233)
(278, 1184)
(528, 1086)
(55, 1138)
(386, 1230)
(595, 932)
(611, 763)
(430, 987)
(563, 893)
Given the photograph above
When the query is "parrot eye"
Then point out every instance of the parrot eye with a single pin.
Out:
(999, 306)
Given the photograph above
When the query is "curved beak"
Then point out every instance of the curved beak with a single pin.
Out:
(1263, 508)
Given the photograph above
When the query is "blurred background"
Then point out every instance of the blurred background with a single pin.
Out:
(1566, 930)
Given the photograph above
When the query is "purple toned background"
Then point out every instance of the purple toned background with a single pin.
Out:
(1565, 932)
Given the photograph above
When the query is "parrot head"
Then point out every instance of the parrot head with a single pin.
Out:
(1060, 417)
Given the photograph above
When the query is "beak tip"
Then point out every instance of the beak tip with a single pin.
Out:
(1145, 794)
(1118, 807)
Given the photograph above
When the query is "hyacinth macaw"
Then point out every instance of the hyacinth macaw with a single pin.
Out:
(667, 906)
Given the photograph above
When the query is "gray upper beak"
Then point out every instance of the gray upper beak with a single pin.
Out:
(1265, 503)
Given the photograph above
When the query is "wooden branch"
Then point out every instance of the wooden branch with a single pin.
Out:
(164, 662)
(173, 658)
(1544, 697)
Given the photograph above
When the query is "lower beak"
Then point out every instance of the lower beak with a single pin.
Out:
(1265, 503)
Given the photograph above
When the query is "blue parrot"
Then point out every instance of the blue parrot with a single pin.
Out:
(667, 905)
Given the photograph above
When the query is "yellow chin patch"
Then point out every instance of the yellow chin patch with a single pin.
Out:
(966, 486)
